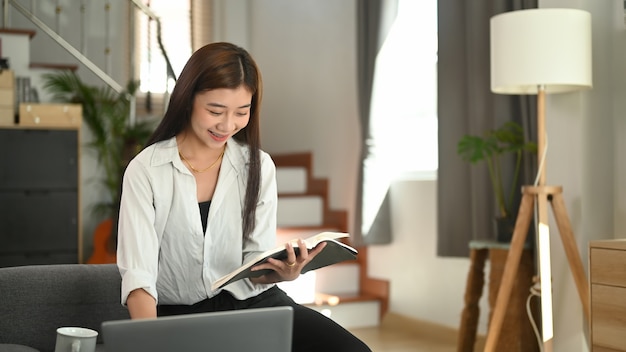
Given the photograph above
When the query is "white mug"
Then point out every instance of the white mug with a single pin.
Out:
(75, 339)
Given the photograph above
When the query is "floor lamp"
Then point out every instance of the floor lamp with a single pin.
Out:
(539, 52)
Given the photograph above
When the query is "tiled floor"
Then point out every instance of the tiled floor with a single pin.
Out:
(400, 334)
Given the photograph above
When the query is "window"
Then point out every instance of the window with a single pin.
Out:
(176, 38)
(404, 98)
(403, 123)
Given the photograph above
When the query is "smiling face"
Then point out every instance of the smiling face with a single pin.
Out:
(218, 114)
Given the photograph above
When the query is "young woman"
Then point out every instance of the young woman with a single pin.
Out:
(200, 200)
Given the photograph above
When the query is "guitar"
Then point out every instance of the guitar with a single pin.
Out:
(103, 244)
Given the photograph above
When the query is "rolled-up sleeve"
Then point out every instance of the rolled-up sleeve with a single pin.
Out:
(138, 244)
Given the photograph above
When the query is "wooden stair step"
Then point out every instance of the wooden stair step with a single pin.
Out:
(304, 160)
(29, 32)
(335, 299)
(53, 66)
(350, 311)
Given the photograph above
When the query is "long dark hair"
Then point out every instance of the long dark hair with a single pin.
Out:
(214, 66)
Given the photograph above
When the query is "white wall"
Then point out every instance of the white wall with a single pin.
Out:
(423, 286)
(306, 51)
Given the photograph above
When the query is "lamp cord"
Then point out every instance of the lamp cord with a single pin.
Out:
(535, 289)
(534, 292)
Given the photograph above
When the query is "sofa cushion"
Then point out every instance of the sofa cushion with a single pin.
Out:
(36, 300)
(15, 348)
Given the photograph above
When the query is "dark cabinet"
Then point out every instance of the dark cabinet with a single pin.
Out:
(39, 196)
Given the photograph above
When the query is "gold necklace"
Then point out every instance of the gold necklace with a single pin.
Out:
(203, 170)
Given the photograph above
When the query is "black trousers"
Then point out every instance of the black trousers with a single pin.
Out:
(312, 331)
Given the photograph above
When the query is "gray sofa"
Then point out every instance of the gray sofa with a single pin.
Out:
(35, 300)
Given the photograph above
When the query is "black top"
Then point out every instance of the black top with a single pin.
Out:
(204, 213)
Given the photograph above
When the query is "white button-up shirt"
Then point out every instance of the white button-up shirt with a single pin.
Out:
(161, 245)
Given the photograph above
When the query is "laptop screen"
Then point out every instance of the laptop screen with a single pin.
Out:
(258, 329)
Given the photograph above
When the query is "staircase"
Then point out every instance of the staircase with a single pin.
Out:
(341, 291)
(15, 46)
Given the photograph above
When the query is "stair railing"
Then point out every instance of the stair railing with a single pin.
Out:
(54, 35)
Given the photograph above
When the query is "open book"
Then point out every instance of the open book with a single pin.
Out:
(334, 252)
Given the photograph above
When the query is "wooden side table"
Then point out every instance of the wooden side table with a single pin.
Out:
(517, 333)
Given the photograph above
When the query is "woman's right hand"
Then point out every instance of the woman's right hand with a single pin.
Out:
(290, 268)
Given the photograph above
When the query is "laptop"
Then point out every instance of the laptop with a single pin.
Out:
(258, 329)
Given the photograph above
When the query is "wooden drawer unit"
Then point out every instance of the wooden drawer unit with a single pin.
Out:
(51, 115)
(58, 162)
(40, 213)
(38, 221)
(607, 272)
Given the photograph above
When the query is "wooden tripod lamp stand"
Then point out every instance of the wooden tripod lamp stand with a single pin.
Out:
(537, 52)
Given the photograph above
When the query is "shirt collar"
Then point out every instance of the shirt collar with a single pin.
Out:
(167, 152)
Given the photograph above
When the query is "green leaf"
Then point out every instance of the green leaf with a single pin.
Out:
(490, 148)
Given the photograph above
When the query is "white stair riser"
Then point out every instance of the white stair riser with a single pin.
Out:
(291, 180)
(300, 211)
(302, 289)
(16, 47)
(338, 279)
(334, 280)
(352, 314)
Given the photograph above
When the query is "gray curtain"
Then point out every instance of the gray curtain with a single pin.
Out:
(374, 18)
(465, 202)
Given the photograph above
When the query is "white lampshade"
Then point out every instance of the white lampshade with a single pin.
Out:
(549, 47)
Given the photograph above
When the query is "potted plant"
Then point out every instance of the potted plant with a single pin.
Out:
(114, 139)
(492, 147)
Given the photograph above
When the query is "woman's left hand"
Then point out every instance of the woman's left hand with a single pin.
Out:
(290, 268)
